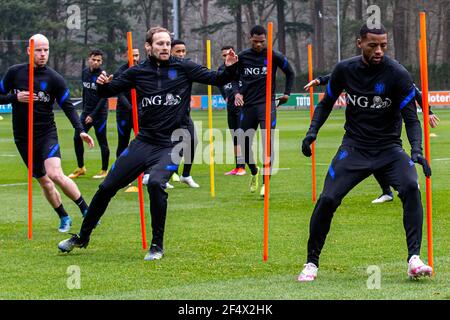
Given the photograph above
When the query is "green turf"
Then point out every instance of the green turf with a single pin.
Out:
(214, 246)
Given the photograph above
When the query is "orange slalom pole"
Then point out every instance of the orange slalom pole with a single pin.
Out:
(136, 131)
(426, 117)
(30, 138)
(268, 136)
(311, 113)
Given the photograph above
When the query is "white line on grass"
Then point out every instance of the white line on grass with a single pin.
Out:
(443, 159)
(13, 184)
(8, 155)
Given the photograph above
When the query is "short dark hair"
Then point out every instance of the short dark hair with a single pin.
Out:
(96, 52)
(227, 48)
(177, 41)
(365, 30)
(152, 31)
(258, 30)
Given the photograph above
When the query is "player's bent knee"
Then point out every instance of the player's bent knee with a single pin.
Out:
(154, 184)
(56, 176)
(409, 187)
(107, 189)
(328, 202)
(46, 183)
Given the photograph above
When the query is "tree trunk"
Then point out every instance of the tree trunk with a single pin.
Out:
(10, 51)
(399, 28)
(344, 9)
(438, 33)
(110, 53)
(295, 41)
(63, 69)
(147, 11)
(318, 39)
(359, 18)
(446, 33)
(239, 28)
(180, 18)
(204, 17)
(165, 16)
(86, 32)
(281, 26)
(251, 14)
(53, 15)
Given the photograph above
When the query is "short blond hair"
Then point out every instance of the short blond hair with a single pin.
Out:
(151, 32)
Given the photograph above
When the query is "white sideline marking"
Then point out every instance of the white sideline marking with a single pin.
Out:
(13, 184)
(442, 159)
(8, 155)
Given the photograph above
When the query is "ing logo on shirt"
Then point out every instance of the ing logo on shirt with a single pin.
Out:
(364, 102)
(158, 100)
(89, 85)
(255, 71)
(41, 95)
(229, 85)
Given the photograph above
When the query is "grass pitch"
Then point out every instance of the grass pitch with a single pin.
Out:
(214, 246)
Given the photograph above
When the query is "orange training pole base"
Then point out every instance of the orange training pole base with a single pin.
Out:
(268, 132)
(30, 139)
(311, 113)
(426, 128)
(136, 131)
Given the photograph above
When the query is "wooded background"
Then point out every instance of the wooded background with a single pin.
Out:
(104, 23)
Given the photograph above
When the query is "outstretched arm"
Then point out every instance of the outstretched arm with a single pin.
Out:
(319, 81)
(109, 87)
(201, 74)
(324, 108)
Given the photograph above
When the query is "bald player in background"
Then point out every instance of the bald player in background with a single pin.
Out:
(49, 87)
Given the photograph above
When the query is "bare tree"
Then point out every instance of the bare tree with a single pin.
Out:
(446, 33)
(358, 17)
(400, 30)
(281, 26)
(294, 38)
(250, 13)
(146, 7)
(204, 18)
(441, 14)
(164, 14)
(238, 27)
(317, 13)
